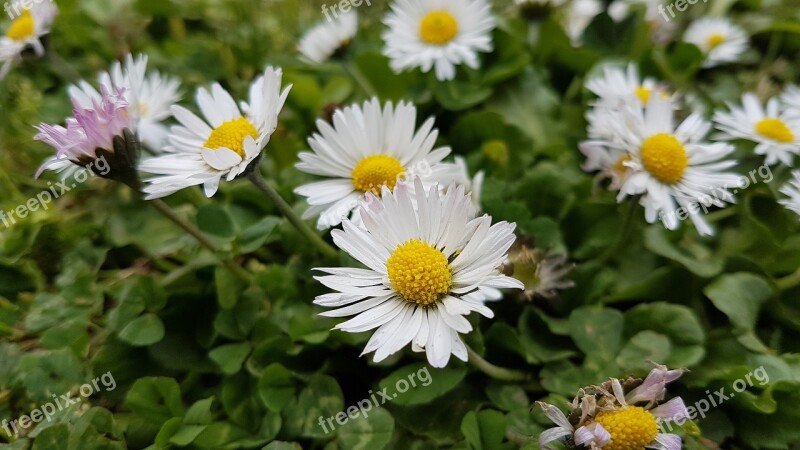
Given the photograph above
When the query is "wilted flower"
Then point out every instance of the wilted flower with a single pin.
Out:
(543, 275)
(619, 415)
(101, 130)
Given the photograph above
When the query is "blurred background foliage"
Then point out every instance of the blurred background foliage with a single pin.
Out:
(100, 283)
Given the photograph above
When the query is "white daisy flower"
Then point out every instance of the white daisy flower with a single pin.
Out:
(717, 37)
(25, 30)
(617, 88)
(775, 129)
(323, 40)
(427, 268)
(673, 169)
(364, 150)
(457, 173)
(203, 154)
(150, 97)
(792, 190)
(438, 34)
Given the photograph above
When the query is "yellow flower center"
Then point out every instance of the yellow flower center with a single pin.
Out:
(438, 28)
(775, 129)
(714, 40)
(22, 27)
(664, 157)
(375, 171)
(643, 93)
(630, 428)
(419, 272)
(231, 135)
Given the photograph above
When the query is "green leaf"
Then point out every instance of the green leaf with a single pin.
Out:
(230, 357)
(155, 399)
(418, 383)
(698, 259)
(740, 296)
(642, 347)
(276, 387)
(321, 398)
(507, 397)
(597, 332)
(369, 430)
(281, 445)
(229, 287)
(484, 429)
(216, 221)
(143, 331)
(677, 322)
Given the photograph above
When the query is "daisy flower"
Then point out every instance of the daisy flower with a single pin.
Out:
(322, 41)
(202, 152)
(579, 15)
(438, 34)
(26, 30)
(775, 129)
(90, 134)
(673, 169)
(149, 97)
(661, 28)
(611, 417)
(544, 275)
(427, 268)
(717, 37)
(792, 190)
(365, 149)
(617, 88)
(457, 174)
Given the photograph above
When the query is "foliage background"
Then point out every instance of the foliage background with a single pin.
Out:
(100, 282)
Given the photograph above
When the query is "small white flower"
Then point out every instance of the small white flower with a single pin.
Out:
(790, 99)
(662, 28)
(428, 266)
(672, 168)
(617, 88)
(792, 190)
(366, 149)
(203, 154)
(774, 129)
(26, 30)
(323, 40)
(457, 173)
(717, 37)
(437, 34)
(149, 97)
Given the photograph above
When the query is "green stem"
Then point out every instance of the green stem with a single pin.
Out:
(193, 231)
(498, 373)
(789, 281)
(256, 178)
(351, 68)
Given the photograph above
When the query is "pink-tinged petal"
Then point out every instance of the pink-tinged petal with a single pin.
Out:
(552, 435)
(653, 388)
(592, 435)
(673, 410)
(555, 414)
(667, 441)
